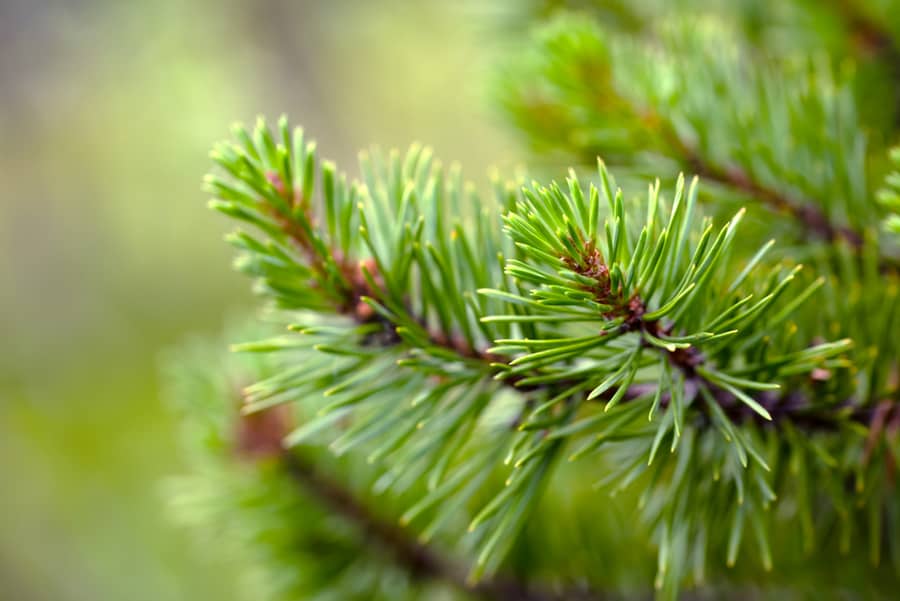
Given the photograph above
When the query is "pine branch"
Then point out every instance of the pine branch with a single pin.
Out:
(806, 212)
(593, 94)
(361, 278)
(795, 406)
(647, 322)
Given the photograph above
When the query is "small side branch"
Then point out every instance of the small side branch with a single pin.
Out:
(804, 211)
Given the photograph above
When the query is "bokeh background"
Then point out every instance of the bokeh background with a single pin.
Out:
(108, 255)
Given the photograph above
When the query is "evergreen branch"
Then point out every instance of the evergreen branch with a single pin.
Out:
(421, 561)
(621, 308)
(773, 407)
(591, 93)
(806, 212)
(868, 34)
(359, 286)
(362, 296)
(584, 307)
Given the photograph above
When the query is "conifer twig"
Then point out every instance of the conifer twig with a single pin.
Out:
(793, 406)
(805, 212)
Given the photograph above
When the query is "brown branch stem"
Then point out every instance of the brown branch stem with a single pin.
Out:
(421, 562)
(804, 211)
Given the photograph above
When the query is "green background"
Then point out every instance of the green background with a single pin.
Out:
(108, 255)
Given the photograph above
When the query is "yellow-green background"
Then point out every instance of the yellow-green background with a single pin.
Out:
(108, 254)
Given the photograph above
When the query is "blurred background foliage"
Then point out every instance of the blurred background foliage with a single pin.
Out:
(108, 254)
